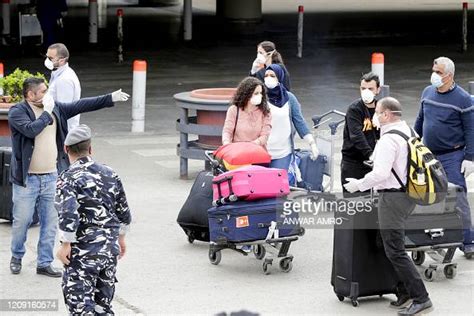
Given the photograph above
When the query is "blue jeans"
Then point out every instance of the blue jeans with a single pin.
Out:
(39, 192)
(281, 163)
(452, 165)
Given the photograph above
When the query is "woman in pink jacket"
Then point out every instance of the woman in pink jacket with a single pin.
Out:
(248, 118)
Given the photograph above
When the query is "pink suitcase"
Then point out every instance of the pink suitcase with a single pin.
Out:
(250, 183)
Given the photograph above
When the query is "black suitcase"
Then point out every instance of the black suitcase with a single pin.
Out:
(360, 266)
(6, 203)
(437, 224)
(193, 217)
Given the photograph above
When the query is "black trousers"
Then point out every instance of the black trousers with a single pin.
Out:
(394, 208)
(357, 170)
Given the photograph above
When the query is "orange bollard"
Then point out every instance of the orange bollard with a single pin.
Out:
(139, 96)
(378, 66)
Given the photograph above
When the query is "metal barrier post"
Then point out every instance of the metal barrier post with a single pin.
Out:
(188, 20)
(120, 35)
(6, 20)
(300, 31)
(93, 17)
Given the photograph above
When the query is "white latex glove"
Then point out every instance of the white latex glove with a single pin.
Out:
(467, 167)
(352, 185)
(312, 145)
(48, 103)
(255, 67)
(314, 151)
(119, 96)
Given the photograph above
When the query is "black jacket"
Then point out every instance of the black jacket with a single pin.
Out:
(25, 127)
(359, 134)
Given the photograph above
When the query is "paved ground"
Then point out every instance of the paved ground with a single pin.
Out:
(162, 273)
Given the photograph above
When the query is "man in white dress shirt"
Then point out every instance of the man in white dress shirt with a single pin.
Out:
(391, 152)
(64, 86)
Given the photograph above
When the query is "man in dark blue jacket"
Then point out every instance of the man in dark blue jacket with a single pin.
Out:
(50, 14)
(446, 123)
(38, 127)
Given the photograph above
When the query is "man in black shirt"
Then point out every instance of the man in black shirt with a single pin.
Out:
(360, 134)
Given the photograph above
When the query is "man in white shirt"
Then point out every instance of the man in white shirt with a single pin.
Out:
(64, 86)
(391, 152)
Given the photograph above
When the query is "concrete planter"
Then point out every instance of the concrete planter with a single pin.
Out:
(211, 106)
(4, 108)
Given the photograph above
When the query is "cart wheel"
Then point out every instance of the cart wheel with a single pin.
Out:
(215, 257)
(340, 298)
(418, 257)
(355, 303)
(190, 239)
(429, 274)
(233, 198)
(302, 231)
(469, 255)
(266, 266)
(259, 251)
(215, 203)
(286, 265)
(450, 271)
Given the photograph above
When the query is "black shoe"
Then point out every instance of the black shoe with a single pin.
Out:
(49, 271)
(15, 265)
(416, 308)
(401, 302)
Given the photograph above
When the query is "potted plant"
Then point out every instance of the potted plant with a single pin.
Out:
(12, 93)
(13, 85)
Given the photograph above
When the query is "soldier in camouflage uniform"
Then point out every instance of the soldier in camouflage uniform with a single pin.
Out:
(93, 219)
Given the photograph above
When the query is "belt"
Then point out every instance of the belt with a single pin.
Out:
(392, 190)
(443, 152)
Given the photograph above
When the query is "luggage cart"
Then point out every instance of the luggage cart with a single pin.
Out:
(325, 140)
(326, 143)
(441, 254)
(271, 249)
(28, 25)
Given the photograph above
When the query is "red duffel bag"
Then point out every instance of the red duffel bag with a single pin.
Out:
(235, 155)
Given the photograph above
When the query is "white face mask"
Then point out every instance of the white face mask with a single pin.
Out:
(48, 63)
(375, 120)
(436, 80)
(256, 99)
(261, 58)
(367, 96)
(271, 82)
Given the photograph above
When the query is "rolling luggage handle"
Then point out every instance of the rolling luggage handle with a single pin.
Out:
(223, 200)
(215, 165)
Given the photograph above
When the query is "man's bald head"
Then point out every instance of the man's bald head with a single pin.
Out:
(392, 105)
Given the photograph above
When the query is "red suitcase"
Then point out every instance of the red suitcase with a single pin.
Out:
(250, 183)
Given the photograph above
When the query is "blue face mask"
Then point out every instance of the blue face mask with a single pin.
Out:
(436, 80)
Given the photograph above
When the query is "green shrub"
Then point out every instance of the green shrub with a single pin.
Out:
(13, 83)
